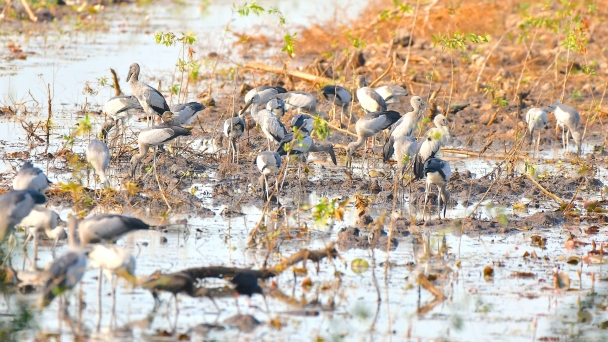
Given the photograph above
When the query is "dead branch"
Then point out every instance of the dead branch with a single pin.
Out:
(383, 74)
(117, 89)
(306, 254)
(293, 73)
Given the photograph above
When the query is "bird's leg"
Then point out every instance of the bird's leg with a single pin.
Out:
(269, 148)
(176, 313)
(54, 245)
(538, 144)
(35, 249)
(439, 198)
(266, 187)
(100, 274)
(236, 301)
(426, 197)
(266, 304)
(114, 284)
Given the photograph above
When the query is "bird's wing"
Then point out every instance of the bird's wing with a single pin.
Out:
(111, 227)
(159, 135)
(274, 127)
(370, 100)
(155, 100)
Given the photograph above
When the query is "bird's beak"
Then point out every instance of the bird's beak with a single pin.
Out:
(246, 106)
(332, 154)
(129, 75)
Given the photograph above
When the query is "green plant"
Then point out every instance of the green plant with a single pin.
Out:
(290, 42)
(326, 210)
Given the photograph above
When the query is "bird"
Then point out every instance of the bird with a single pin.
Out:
(303, 146)
(405, 150)
(246, 283)
(98, 155)
(405, 126)
(233, 130)
(568, 119)
(277, 107)
(272, 127)
(175, 283)
(121, 107)
(391, 93)
(437, 172)
(299, 100)
(65, 272)
(369, 99)
(15, 206)
(368, 126)
(265, 92)
(431, 143)
(269, 163)
(114, 262)
(338, 96)
(303, 123)
(536, 119)
(107, 228)
(155, 136)
(186, 112)
(41, 220)
(150, 99)
(30, 177)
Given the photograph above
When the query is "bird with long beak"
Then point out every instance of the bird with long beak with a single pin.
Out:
(150, 99)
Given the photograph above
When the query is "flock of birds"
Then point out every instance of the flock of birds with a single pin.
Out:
(89, 238)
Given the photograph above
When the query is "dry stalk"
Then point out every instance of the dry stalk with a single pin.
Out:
(117, 90)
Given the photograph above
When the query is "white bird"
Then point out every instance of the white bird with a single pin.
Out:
(536, 119)
(272, 127)
(151, 100)
(299, 100)
(155, 136)
(567, 118)
(65, 272)
(406, 126)
(338, 96)
(41, 220)
(265, 93)
(233, 130)
(269, 163)
(391, 93)
(15, 206)
(107, 228)
(31, 178)
(186, 112)
(405, 151)
(369, 99)
(277, 107)
(98, 155)
(437, 172)
(430, 143)
(114, 262)
(368, 126)
(121, 107)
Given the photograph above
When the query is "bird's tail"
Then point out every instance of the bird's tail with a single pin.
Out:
(388, 150)
(418, 167)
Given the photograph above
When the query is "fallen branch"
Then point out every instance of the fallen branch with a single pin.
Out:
(383, 74)
(540, 187)
(306, 254)
(29, 11)
(293, 73)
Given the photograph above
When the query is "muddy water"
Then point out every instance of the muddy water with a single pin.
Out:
(505, 307)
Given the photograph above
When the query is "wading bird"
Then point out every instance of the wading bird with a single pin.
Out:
(31, 178)
(15, 206)
(430, 143)
(41, 220)
(303, 122)
(536, 119)
(299, 100)
(65, 272)
(155, 136)
(406, 126)
(184, 113)
(272, 127)
(174, 283)
(246, 284)
(437, 172)
(151, 100)
(567, 118)
(405, 151)
(369, 99)
(265, 93)
(391, 93)
(107, 228)
(303, 146)
(98, 155)
(338, 96)
(368, 126)
(269, 164)
(277, 107)
(233, 130)
(122, 108)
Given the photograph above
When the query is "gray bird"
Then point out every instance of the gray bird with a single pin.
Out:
(391, 93)
(155, 136)
(368, 126)
(303, 146)
(15, 206)
(121, 107)
(98, 155)
(269, 163)
(369, 99)
(39, 220)
(338, 96)
(303, 123)
(406, 126)
(31, 178)
(186, 112)
(536, 119)
(272, 127)
(277, 107)
(65, 272)
(405, 151)
(233, 130)
(430, 143)
(107, 228)
(151, 100)
(437, 172)
(299, 100)
(567, 118)
(265, 92)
